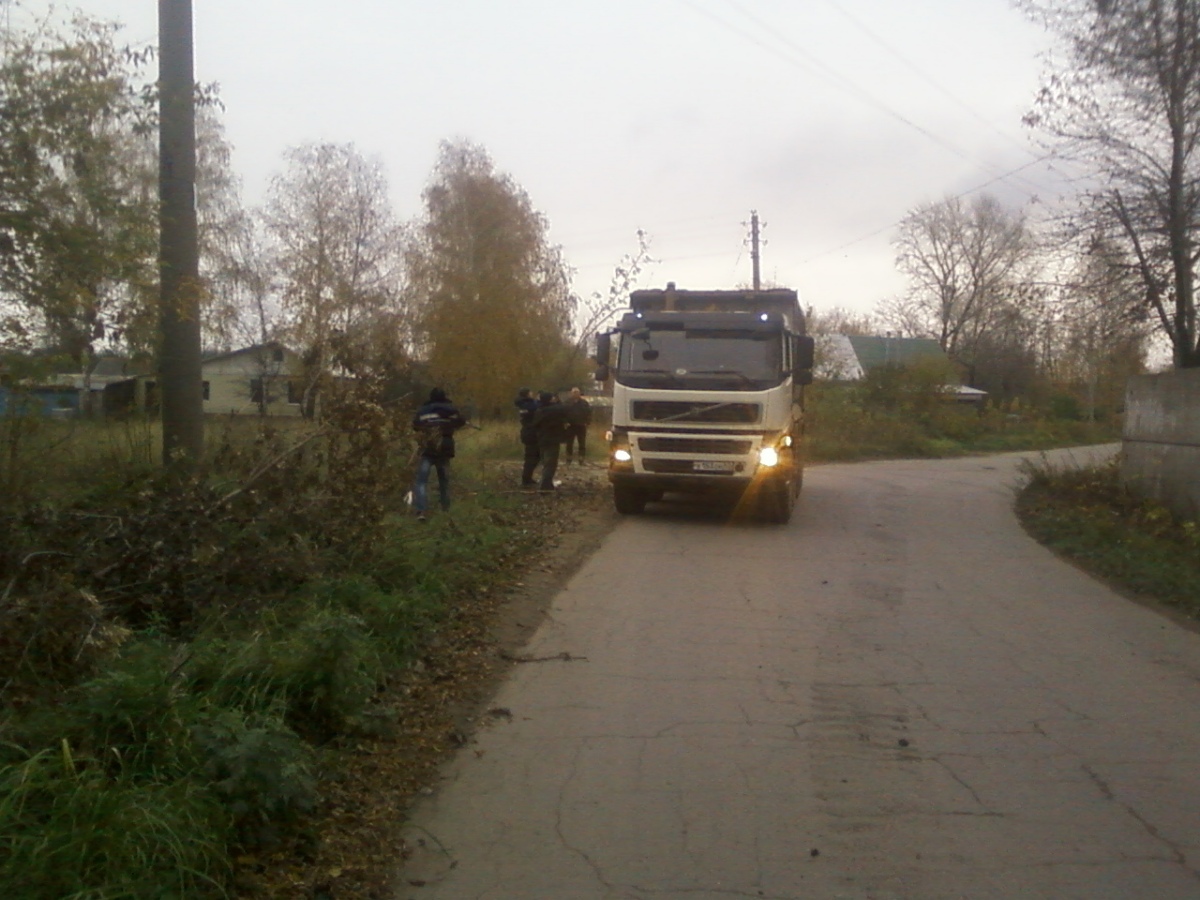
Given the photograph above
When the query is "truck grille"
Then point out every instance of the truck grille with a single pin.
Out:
(696, 411)
(682, 467)
(693, 445)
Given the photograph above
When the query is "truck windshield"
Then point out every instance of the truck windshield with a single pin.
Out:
(701, 359)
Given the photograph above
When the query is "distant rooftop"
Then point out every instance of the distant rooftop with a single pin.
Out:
(873, 352)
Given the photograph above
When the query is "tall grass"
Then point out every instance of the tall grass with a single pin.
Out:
(171, 655)
(70, 830)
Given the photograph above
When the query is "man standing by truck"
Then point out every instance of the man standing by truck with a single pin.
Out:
(579, 417)
(550, 424)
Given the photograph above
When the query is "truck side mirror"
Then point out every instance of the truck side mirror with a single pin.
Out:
(603, 352)
(803, 358)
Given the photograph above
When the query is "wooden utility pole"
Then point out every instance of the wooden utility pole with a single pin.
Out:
(754, 247)
(179, 259)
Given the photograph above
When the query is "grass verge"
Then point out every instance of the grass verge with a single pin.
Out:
(1087, 516)
(190, 671)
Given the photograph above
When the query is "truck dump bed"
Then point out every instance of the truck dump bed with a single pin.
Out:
(780, 300)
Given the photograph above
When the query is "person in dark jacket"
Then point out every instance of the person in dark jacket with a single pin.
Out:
(550, 426)
(527, 405)
(435, 423)
(579, 415)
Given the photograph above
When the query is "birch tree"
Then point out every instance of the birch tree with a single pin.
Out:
(493, 292)
(337, 250)
(77, 206)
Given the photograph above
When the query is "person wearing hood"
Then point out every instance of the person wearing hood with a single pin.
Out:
(435, 423)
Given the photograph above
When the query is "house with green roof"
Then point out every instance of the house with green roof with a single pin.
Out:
(849, 357)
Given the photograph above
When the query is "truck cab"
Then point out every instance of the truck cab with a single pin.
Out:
(708, 398)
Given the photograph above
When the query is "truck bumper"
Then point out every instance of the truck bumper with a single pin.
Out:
(658, 483)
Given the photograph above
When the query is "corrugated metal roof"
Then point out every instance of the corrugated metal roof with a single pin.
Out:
(873, 352)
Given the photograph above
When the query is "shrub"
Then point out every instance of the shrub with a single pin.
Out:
(316, 666)
(260, 771)
(134, 718)
(54, 640)
(398, 620)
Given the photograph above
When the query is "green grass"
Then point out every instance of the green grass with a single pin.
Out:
(842, 426)
(137, 759)
(68, 829)
(1087, 516)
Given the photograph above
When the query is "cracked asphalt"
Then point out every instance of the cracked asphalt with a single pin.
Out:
(898, 695)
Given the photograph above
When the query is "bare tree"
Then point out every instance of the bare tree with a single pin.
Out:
(599, 308)
(1126, 104)
(968, 268)
(1102, 330)
(962, 263)
(838, 320)
(238, 307)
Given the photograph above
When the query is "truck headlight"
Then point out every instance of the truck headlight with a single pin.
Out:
(622, 455)
(768, 457)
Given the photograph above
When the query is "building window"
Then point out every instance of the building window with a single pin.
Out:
(256, 390)
(204, 388)
(295, 392)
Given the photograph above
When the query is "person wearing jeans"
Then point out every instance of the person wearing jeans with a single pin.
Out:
(435, 422)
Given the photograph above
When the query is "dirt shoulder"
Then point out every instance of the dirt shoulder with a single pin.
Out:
(353, 845)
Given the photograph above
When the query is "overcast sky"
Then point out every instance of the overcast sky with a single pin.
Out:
(831, 118)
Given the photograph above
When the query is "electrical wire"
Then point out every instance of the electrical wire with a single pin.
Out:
(958, 196)
(799, 58)
(926, 77)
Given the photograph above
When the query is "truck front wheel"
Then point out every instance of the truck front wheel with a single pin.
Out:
(628, 500)
(776, 503)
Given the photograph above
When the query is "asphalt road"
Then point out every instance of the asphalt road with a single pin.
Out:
(898, 695)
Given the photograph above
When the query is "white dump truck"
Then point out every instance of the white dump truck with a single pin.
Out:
(708, 397)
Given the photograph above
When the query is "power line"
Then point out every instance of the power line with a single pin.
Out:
(924, 76)
(799, 58)
(958, 196)
(868, 97)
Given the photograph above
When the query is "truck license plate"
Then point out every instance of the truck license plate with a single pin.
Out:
(711, 465)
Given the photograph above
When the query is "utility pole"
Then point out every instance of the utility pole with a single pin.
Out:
(179, 258)
(754, 247)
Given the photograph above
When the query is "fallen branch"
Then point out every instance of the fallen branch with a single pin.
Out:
(564, 657)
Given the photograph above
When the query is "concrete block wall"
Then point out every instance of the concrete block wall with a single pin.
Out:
(1161, 438)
